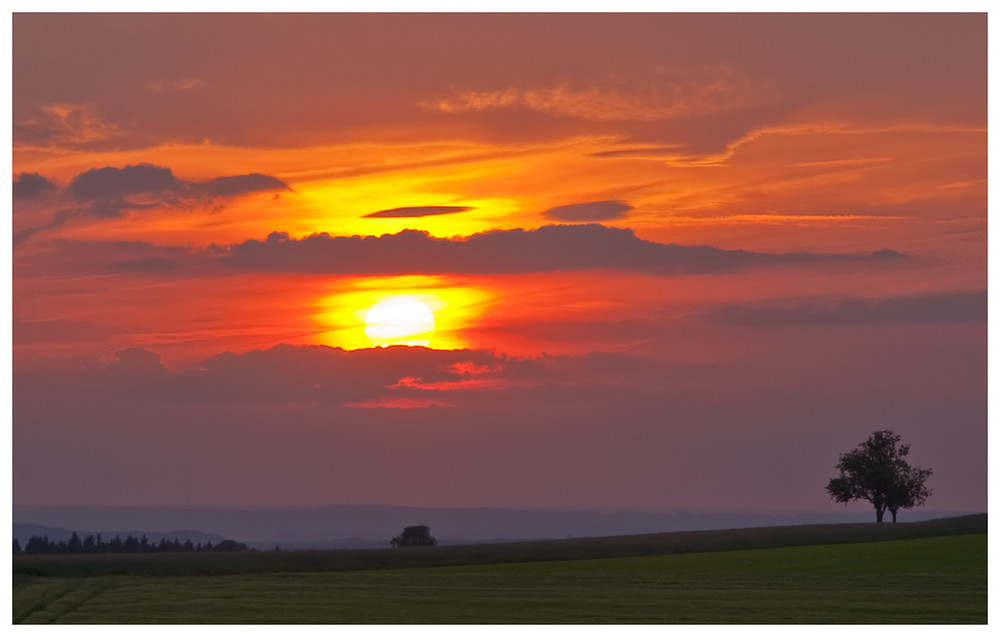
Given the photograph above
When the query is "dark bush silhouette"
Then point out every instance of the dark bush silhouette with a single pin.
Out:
(414, 536)
(876, 471)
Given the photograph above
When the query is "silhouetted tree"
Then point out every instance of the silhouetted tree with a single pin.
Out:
(909, 491)
(414, 536)
(877, 471)
(17, 547)
(75, 545)
(230, 545)
(37, 545)
(171, 546)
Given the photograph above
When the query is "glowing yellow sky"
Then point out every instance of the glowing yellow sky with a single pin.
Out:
(340, 316)
(800, 178)
(732, 146)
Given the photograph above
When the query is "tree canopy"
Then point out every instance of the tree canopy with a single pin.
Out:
(414, 536)
(876, 471)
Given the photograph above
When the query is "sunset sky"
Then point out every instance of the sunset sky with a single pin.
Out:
(638, 261)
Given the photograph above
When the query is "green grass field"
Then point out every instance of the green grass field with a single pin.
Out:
(925, 580)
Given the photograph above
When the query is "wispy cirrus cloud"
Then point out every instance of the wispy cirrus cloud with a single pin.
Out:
(65, 124)
(666, 95)
(851, 161)
(833, 128)
(644, 152)
(177, 84)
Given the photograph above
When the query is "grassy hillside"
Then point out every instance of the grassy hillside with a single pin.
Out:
(926, 580)
(571, 549)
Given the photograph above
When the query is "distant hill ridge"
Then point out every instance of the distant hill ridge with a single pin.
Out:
(359, 526)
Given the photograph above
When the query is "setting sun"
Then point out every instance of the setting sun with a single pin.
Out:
(449, 306)
(399, 320)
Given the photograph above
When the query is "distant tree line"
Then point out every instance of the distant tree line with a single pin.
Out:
(95, 544)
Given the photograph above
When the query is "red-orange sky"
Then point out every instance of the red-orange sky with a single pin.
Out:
(673, 261)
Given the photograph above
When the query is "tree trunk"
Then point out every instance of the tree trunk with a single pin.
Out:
(878, 515)
(893, 516)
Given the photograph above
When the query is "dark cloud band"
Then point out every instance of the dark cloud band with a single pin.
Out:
(545, 249)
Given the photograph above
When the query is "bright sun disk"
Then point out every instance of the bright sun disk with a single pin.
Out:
(399, 320)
